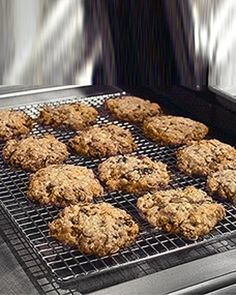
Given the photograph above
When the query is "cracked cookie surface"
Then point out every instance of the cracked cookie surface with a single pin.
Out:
(132, 109)
(76, 116)
(133, 174)
(14, 124)
(204, 157)
(64, 185)
(228, 164)
(35, 152)
(170, 130)
(103, 141)
(223, 184)
(99, 229)
(189, 212)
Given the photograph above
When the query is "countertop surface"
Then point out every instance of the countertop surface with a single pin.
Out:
(13, 279)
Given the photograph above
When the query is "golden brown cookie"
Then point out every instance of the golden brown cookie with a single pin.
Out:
(204, 157)
(98, 229)
(132, 109)
(14, 124)
(35, 152)
(189, 212)
(76, 116)
(228, 164)
(64, 185)
(170, 130)
(103, 141)
(223, 184)
(133, 174)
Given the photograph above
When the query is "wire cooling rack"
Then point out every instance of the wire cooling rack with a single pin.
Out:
(68, 265)
(44, 284)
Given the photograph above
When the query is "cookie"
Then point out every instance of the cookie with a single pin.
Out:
(34, 152)
(223, 184)
(98, 229)
(132, 109)
(204, 157)
(228, 164)
(103, 141)
(76, 116)
(189, 212)
(64, 185)
(14, 124)
(133, 174)
(170, 130)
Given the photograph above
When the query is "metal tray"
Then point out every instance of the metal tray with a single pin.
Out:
(68, 265)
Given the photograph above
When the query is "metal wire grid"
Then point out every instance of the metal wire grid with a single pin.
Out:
(38, 274)
(67, 264)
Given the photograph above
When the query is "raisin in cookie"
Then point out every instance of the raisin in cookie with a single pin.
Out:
(223, 184)
(62, 185)
(189, 212)
(133, 174)
(173, 130)
(14, 124)
(34, 152)
(204, 157)
(132, 109)
(76, 116)
(98, 229)
(103, 141)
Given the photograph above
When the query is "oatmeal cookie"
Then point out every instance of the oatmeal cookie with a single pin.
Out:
(204, 157)
(168, 130)
(133, 174)
(189, 212)
(14, 124)
(228, 164)
(103, 141)
(76, 116)
(223, 184)
(98, 229)
(33, 153)
(132, 109)
(64, 185)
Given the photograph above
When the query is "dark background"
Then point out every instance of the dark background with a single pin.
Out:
(144, 54)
